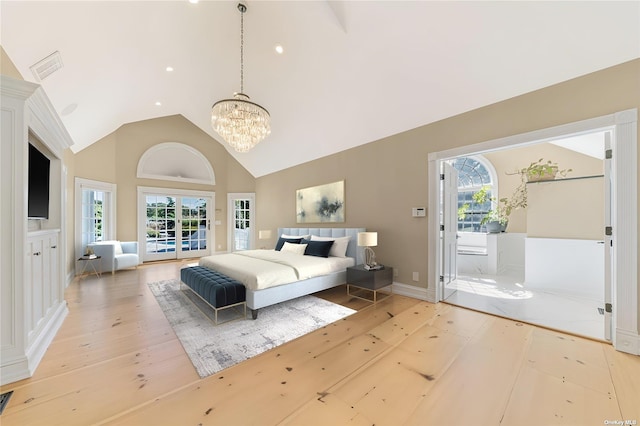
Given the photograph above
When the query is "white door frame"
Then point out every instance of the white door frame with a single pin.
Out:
(142, 216)
(624, 211)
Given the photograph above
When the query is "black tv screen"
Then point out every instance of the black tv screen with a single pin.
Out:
(38, 196)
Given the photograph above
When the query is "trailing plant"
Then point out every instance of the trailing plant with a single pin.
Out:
(462, 211)
(540, 169)
(499, 211)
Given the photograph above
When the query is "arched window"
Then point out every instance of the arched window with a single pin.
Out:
(473, 173)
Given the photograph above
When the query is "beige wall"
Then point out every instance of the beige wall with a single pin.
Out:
(508, 161)
(7, 67)
(567, 208)
(115, 159)
(384, 179)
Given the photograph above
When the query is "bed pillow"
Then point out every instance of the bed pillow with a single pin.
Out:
(304, 237)
(295, 248)
(339, 247)
(317, 248)
(282, 240)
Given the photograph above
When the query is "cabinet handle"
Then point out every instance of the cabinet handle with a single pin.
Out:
(54, 246)
(37, 253)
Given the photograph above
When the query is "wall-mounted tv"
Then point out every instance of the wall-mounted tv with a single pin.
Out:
(39, 169)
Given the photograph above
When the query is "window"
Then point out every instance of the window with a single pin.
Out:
(92, 216)
(473, 173)
(95, 213)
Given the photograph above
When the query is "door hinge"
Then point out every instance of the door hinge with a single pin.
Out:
(608, 154)
(441, 278)
(442, 227)
(608, 307)
(442, 176)
(608, 230)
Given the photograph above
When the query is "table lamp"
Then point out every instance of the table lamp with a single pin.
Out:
(368, 240)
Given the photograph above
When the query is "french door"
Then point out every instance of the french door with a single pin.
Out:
(174, 225)
(241, 208)
(449, 229)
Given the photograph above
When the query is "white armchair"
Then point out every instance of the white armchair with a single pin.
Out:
(116, 255)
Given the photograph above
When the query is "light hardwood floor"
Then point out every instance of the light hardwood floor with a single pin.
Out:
(116, 361)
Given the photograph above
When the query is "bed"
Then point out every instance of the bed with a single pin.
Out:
(276, 277)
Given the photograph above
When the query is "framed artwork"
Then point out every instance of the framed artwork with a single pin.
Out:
(322, 203)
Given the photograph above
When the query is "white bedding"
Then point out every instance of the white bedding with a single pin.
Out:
(260, 269)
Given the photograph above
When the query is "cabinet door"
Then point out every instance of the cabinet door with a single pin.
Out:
(51, 272)
(33, 292)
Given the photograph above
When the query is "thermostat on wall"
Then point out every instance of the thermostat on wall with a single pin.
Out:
(419, 212)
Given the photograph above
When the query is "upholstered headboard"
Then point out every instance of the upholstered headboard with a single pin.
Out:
(352, 248)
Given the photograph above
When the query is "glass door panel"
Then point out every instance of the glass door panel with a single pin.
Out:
(194, 227)
(161, 226)
(242, 225)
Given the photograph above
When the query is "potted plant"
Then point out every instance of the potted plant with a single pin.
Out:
(497, 217)
(541, 170)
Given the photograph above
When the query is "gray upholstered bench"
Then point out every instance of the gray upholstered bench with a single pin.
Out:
(217, 290)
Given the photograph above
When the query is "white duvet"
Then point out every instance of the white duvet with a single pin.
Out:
(260, 269)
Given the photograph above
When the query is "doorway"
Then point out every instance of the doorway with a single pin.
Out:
(174, 224)
(548, 268)
(623, 126)
(241, 208)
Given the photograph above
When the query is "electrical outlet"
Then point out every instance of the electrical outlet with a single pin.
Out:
(416, 276)
(395, 273)
(219, 246)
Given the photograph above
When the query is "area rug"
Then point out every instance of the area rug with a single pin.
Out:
(213, 348)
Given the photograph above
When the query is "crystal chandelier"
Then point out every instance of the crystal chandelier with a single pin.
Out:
(240, 122)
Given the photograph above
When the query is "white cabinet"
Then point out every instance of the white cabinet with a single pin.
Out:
(32, 305)
(43, 293)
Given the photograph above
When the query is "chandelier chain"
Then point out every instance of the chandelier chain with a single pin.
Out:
(242, 10)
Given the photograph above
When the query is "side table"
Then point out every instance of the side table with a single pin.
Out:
(88, 260)
(369, 281)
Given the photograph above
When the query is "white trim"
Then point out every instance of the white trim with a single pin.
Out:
(625, 284)
(624, 171)
(109, 215)
(410, 291)
(156, 149)
(251, 196)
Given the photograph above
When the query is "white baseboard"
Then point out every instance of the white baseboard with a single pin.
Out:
(37, 350)
(410, 291)
(70, 276)
(628, 342)
(24, 365)
(14, 370)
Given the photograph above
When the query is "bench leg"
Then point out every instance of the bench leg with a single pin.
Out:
(254, 314)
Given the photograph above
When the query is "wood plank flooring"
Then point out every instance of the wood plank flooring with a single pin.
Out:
(116, 361)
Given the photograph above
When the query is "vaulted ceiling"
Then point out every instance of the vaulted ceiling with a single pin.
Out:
(351, 72)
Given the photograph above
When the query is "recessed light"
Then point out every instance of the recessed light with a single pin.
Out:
(158, 103)
(169, 69)
(193, 1)
(279, 49)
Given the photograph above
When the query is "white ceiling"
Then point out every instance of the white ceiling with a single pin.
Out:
(352, 72)
(591, 144)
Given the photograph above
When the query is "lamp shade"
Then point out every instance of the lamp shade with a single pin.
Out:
(367, 239)
(264, 234)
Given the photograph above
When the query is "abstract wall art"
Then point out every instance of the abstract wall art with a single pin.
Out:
(322, 203)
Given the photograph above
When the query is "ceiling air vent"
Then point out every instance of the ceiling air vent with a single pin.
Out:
(47, 66)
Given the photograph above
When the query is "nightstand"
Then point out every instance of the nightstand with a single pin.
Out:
(369, 282)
